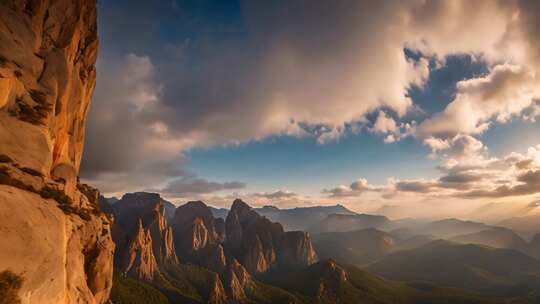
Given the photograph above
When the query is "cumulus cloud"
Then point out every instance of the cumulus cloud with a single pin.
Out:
(464, 148)
(505, 92)
(481, 178)
(356, 188)
(296, 65)
(392, 130)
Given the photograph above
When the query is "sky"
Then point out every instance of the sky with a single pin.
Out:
(412, 108)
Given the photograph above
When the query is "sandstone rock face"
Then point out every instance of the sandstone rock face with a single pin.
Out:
(144, 239)
(238, 280)
(217, 292)
(331, 276)
(260, 244)
(48, 51)
(64, 259)
(198, 235)
(139, 260)
(52, 230)
(297, 249)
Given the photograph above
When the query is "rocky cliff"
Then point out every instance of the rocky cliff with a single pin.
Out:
(203, 258)
(52, 231)
(260, 244)
(143, 237)
(199, 236)
(138, 258)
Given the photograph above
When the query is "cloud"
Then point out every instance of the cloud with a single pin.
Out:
(288, 65)
(276, 195)
(534, 204)
(189, 186)
(462, 178)
(356, 188)
(505, 92)
(420, 186)
(384, 124)
(387, 126)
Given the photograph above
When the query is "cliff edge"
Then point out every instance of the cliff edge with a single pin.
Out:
(52, 232)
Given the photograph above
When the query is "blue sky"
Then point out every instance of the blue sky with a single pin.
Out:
(345, 101)
(302, 164)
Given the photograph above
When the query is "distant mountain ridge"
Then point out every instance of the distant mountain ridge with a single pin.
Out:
(497, 237)
(474, 267)
(350, 222)
(244, 258)
(354, 247)
(299, 218)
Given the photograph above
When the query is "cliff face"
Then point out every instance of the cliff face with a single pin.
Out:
(199, 236)
(260, 244)
(52, 231)
(138, 259)
(238, 280)
(143, 237)
(297, 249)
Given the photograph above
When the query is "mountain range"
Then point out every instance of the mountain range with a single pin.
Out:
(247, 258)
(299, 218)
(492, 271)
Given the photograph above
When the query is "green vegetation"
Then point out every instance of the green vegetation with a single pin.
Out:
(129, 291)
(64, 202)
(186, 282)
(56, 194)
(490, 271)
(264, 293)
(324, 283)
(10, 284)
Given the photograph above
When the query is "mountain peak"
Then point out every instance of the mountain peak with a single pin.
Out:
(239, 204)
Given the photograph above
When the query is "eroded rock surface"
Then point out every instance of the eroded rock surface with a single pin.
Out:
(143, 237)
(52, 230)
(260, 244)
(198, 236)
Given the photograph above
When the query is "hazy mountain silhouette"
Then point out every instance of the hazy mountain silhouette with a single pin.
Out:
(502, 272)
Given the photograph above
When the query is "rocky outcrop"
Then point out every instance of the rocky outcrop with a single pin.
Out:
(139, 260)
(297, 250)
(144, 239)
(238, 280)
(52, 230)
(260, 244)
(48, 51)
(198, 235)
(217, 292)
(331, 277)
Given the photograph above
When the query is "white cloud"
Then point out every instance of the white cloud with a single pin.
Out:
(384, 124)
(310, 63)
(505, 92)
(356, 188)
